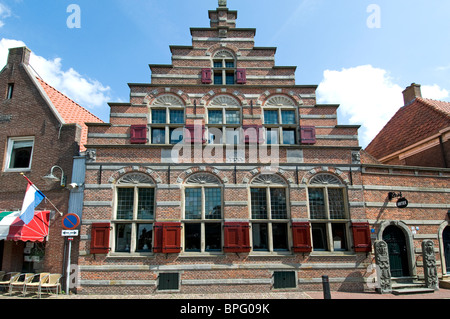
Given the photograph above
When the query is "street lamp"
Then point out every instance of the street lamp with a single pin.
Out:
(51, 177)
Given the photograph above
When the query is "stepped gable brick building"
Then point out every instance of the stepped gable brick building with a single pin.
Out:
(39, 128)
(223, 175)
(417, 135)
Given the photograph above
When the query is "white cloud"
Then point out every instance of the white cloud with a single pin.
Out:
(87, 92)
(367, 97)
(5, 12)
(434, 92)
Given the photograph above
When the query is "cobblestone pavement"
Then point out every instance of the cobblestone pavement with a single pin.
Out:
(440, 294)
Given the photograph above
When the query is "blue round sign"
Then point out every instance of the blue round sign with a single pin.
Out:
(70, 221)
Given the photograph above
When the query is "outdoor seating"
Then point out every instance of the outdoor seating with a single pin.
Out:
(7, 278)
(53, 282)
(36, 282)
(19, 281)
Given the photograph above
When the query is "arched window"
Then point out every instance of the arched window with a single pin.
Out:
(167, 120)
(328, 212)
(224, 68)
(281, 120)
(134, 213)
(224, 120)
(203, 198)
(269, 213)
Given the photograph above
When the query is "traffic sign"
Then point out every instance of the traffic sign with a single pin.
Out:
(70, 221)
(69, 233)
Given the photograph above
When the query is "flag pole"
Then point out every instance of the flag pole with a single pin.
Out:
(31, 183)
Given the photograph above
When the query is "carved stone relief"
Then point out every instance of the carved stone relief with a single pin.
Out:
(429, 265)
(383, 266)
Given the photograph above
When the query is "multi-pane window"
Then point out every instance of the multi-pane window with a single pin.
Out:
(223, 126)
(224, 68)
(202, 214)
(269, 214)
(281, 126)
(167, 120)
(134, 218)
(328, 213)
(19, 154)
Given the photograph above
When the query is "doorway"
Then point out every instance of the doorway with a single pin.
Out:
(446, 241)
(398, 251)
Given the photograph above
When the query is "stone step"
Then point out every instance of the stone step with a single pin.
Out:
(405, 291)
(445, 283)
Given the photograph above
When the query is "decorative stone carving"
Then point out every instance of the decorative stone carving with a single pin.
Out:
(325, 179)
(91, 155)
(224, 100)
(268, 179)
(135, 178)
(383, 266)
(429, 265)
(280, 100)
(168, 100)
(202, 179)
(356, 158)
(222, 3)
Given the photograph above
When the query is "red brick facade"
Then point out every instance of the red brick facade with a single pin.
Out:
(28, 113)
(316, 166)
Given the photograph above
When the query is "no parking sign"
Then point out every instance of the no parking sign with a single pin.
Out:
(69, 223)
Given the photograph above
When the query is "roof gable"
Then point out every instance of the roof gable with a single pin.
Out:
(69, 111)
(412, 123)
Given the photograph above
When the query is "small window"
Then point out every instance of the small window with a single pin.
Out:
(284, 279)
(9, 94)
(19, 156)
(159, 116)
(158, 136)
(169, 281)
(271, 117)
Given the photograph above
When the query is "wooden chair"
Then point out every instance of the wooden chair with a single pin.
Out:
(52, 283)
(36, 282)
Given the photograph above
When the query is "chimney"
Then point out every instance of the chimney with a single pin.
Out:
(19, 55)
(411, 93)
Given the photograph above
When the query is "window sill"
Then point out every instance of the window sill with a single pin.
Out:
(270, 254)
(333, 253)
(131, 255)
(200, 255)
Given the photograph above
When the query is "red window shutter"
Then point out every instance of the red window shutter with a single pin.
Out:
(138, 134)
(301, 237)
(237, 237)
(253, 134)
(100, 238)
(206, 76)
(361, 237)
(308, 135)
(167, 238)
(195, 134)
(171, 238)
(158, 240)
(241, 76)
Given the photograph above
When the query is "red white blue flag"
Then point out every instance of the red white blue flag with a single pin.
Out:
(33, 197)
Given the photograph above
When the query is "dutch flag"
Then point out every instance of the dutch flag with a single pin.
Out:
(33, 197)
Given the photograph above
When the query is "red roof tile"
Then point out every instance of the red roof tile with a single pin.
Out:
(412, 123)
(71, 112)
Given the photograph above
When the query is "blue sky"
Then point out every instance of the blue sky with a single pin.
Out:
(363, 68)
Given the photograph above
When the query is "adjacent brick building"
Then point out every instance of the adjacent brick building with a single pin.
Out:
(222, 174)
(39, 128)
(417, 135)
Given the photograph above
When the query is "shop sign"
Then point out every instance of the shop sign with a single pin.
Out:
(402, 202)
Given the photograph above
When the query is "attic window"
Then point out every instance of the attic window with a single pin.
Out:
(9, 94)
(224, 68)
